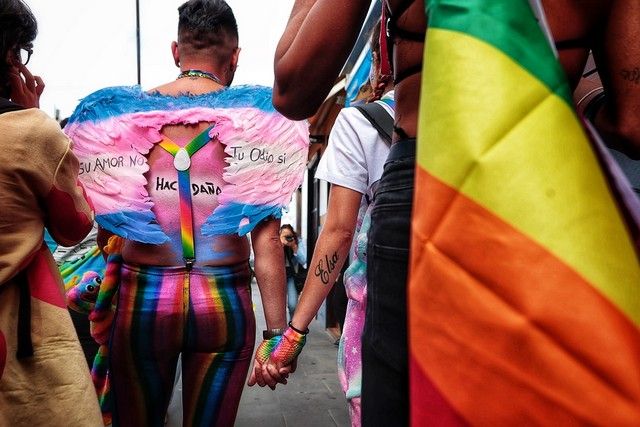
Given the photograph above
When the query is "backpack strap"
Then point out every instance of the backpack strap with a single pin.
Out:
(379, 118)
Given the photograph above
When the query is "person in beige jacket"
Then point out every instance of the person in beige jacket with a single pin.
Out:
(43, 377)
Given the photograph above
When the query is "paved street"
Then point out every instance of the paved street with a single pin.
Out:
(312, 398)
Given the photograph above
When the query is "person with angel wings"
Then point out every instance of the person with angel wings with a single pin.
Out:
(182, 173)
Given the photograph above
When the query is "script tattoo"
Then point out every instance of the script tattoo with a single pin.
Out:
(632, 76)
(325, 267)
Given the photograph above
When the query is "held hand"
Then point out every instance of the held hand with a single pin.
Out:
(276, 358)
(272, 373)
(259, 375)
(25, 87)
(256, 375)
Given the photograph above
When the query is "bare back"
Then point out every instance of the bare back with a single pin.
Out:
(407, 54)
(574, 37)
(206, 170)
(608, 28)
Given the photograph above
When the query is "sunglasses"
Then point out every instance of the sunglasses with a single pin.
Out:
(289, 238)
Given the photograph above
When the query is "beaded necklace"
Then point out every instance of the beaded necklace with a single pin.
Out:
(199, 73)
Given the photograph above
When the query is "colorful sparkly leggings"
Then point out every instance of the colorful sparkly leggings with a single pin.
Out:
(206, 315)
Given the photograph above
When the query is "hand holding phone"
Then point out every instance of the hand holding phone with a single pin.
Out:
(25, 87)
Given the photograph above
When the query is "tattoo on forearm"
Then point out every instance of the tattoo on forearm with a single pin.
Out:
(632, 76)
(325, 267)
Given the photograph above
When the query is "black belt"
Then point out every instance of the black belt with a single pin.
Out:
(402, 149)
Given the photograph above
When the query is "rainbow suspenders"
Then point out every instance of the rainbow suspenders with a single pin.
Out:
(182, 163)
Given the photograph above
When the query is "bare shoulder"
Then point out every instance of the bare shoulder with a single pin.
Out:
(170, 89)
(187, 86)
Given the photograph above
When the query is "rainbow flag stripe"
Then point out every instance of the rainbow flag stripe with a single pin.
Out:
(524, 293)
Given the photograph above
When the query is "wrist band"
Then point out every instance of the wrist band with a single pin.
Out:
(270, 333)
(305, 332)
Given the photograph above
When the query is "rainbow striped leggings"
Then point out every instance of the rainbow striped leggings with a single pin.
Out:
(205, 314)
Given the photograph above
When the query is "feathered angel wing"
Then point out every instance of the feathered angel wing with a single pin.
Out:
(112, 153)
(267, 156)
(114, 129)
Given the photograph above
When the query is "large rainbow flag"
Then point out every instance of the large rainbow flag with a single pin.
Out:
(524, 294)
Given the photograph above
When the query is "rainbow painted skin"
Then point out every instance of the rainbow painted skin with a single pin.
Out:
(205, 314)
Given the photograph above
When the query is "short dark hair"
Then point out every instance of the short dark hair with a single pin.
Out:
(18, 28)
(207, 23)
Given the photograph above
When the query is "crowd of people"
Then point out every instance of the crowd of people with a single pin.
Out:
(170, 178)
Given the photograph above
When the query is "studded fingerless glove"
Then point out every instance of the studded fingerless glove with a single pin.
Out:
(282, 349)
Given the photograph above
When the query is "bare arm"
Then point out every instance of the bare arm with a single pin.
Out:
(331, 252)
(102, 240)
(609, 29)
(270, 274)
(333, 244)
(313, 48)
